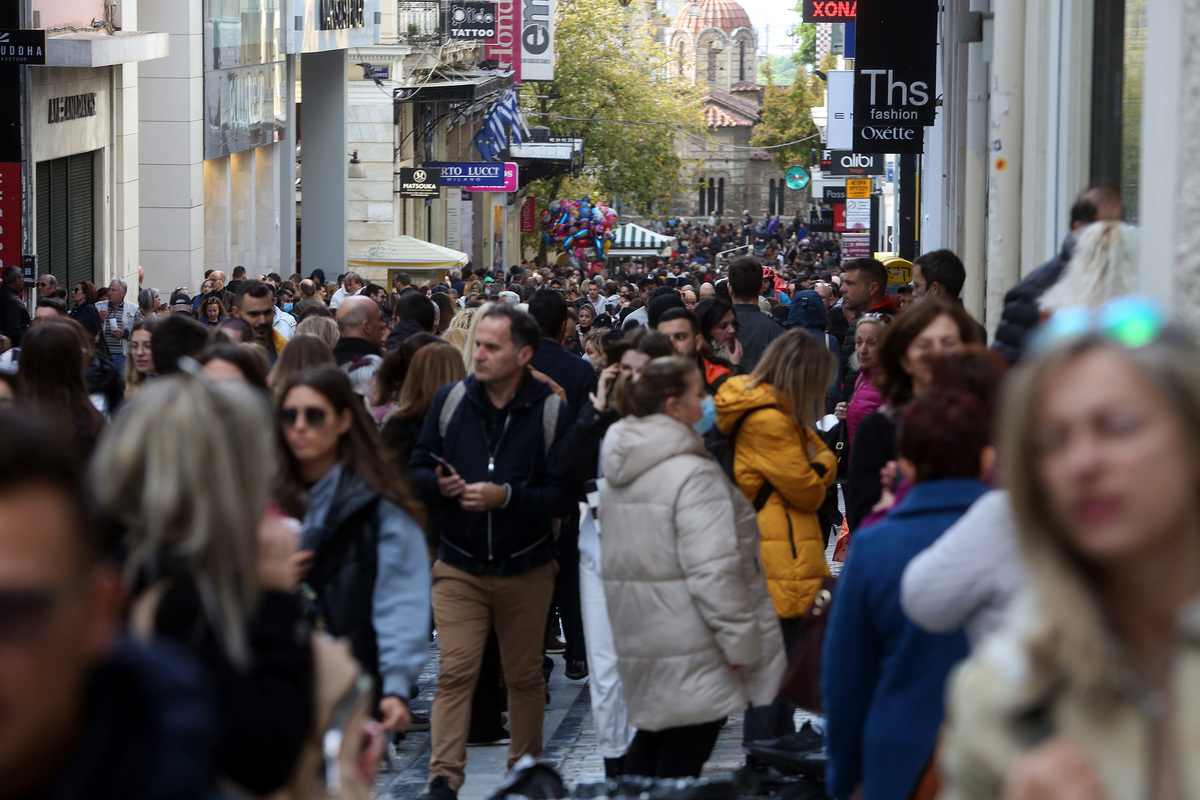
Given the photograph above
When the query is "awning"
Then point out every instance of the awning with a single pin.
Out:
(462, 87)
(404, 253)
(634, 240)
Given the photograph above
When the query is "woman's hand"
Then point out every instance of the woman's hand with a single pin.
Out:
(1054, 770)
(839, 411)
(599, 397)
(395, 713)
(277, 544)
(736, 354)
(887, 476)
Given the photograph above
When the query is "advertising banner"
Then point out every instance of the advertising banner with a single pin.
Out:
(481, 173)
(896, 75)
(10, 213)
(843, 163)
(537, 40)
(509, 184)
(473, 21)
(419, 182)
(506, 47)
(528, 216)
(23, 47)
(856, 245)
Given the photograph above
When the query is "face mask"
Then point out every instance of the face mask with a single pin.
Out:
(287, 306)
(708, 410)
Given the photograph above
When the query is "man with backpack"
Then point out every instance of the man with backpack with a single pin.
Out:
(480, 467)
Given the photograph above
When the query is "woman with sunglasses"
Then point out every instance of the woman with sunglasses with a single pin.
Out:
(84, 311)
(369, 564)
(922, 333)
(1090, 690)
(865, 398)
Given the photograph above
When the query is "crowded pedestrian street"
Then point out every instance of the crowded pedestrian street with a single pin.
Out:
(599, 400)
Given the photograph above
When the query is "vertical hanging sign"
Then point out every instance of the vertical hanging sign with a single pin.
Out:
(537, 40)
(10, 214)
(895, 78)
(506, 47)
(528, 215)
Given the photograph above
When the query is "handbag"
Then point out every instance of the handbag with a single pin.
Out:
(835, 440)
(802, 680)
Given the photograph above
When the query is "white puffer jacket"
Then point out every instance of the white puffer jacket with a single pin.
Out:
(686, 591)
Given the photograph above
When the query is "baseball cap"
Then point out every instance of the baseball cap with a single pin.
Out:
(180, 301)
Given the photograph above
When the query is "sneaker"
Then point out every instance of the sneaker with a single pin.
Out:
(420, 721)
(491, 739)
(438, 789)
(576, 670)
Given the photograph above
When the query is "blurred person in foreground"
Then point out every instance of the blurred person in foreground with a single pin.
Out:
(215, 578)
(1089, 691)
(84, 713)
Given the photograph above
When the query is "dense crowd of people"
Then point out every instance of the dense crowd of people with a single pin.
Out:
(234, 522)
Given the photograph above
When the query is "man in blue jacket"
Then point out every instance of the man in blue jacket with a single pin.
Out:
(480, 467)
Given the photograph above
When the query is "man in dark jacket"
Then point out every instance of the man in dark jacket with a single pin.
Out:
(85, 714)
(480, 468)
(14, 316)
(414, 313)
(1021, 314)
(756, 330)
(357, 348)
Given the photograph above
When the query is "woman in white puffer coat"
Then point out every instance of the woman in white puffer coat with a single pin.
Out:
(695, 632)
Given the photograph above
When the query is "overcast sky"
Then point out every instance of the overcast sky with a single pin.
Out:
(779, 16)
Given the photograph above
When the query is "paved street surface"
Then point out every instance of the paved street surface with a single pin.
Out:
(568, 735)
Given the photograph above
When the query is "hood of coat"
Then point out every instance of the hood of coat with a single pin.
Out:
(637, 444)
(736, 397)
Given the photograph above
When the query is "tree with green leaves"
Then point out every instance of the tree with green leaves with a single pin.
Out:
(787, 117)
(611, 72)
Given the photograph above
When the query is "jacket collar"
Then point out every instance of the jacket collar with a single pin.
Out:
(355, 345)
(951, 494)
(529, 392)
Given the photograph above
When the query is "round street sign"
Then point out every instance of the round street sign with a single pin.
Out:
(796, 177)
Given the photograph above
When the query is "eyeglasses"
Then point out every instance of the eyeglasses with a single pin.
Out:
(23, 612)
(1130, 322)
(313, 417)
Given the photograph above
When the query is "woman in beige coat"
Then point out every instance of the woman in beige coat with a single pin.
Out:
(695, 632)
(1092, 690)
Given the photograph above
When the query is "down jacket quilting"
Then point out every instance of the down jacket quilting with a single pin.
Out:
(685, 587)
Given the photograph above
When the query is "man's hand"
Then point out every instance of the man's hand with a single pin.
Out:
(450, 484)
(395, 713)
(483, 496)
(119, 333)
(1054, 770)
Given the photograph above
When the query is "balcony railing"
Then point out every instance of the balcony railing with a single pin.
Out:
(422, 21)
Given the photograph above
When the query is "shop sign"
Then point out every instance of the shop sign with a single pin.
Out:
(420, 182)
(340, 15)
(63, 109)
(830, 10)
(480, 173)
(506, 47)
(858, 215)
(10, 213)
(22, 47)
(509, 184)
(858, 189)
(528, 216)
(856, 245)
(894, 78)
(839, 163)
(835, 194)
(473, 21)
(537, 40)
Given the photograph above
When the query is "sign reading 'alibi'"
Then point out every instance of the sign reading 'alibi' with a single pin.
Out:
(895, 75)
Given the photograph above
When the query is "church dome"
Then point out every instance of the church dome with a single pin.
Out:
(697, 15)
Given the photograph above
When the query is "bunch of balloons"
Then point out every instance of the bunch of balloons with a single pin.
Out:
(582, 228)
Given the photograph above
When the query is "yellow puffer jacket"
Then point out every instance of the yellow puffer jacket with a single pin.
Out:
(771, 446)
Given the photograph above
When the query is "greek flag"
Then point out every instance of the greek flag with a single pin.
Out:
(508, 112)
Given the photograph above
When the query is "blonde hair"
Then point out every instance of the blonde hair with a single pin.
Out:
(468, 350)
(187, 472)
(457, 338)
(800, 368)
(647, 392)
(324, 328)
(1103, 266)
(1070, 639)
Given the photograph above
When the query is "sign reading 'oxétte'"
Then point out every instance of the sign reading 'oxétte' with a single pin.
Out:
(894, 75)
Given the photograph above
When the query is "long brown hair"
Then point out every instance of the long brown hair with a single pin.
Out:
(903, 331)
(800, 368)
(360, 448)
(54, 355)
(431, 368)
(305, 350)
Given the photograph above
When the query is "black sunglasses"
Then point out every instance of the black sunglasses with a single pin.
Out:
(313, 417)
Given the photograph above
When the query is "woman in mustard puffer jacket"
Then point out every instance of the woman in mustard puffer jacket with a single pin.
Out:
(784, 468)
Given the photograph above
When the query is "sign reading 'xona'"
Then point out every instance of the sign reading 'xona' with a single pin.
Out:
(894, 75)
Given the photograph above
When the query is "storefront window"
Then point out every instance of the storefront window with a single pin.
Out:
(1131, 105)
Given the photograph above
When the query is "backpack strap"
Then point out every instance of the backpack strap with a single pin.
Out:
(453, 401)
(764, 491)
(551, 407)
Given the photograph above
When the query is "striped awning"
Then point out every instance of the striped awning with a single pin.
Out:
(635, 237)
(405, 252)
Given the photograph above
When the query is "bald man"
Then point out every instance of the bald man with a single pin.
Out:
(308, 297)
(357, 351)
(707, 291)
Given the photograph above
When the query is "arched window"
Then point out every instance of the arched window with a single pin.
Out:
(741, 61)
(681, 57)
(700, 209)
(712, 195)
(712, 65)
(720, 195)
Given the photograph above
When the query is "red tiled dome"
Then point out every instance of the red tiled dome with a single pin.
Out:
(697, 15)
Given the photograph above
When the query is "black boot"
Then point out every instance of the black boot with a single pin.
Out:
(614, 767)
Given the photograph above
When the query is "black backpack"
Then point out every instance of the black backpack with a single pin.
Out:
(722, 449)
